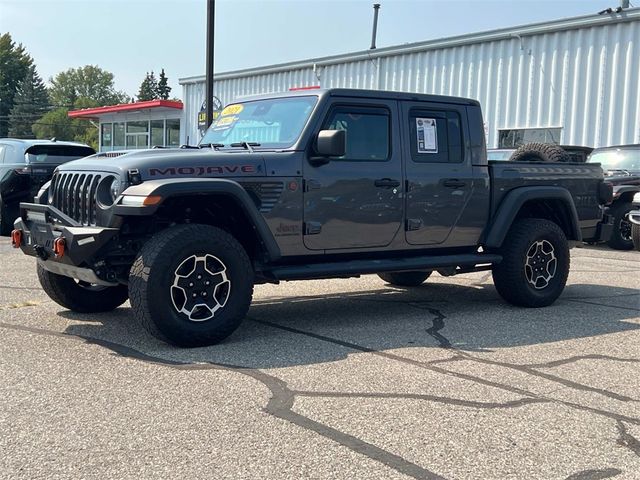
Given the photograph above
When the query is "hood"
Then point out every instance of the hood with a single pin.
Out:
(165, 163)
(622, 177)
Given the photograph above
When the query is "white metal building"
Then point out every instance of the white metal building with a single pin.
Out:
(570, 81)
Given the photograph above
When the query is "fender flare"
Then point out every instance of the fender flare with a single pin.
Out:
(177, 187)
(513, 202)
(619, 190)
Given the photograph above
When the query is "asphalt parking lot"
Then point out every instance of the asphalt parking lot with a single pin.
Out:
(332, 379)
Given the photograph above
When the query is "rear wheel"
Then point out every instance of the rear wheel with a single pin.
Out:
(621, 237)
(191, 285)
(535, 263)
(405, 279)
(80, 296)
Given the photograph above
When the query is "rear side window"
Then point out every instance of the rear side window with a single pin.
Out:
(436, 136)
(57, 153)
(367, 132)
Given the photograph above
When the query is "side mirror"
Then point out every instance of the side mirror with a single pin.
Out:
(332, 143)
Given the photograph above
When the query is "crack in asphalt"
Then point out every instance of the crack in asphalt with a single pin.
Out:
(595, 474)
(627, 440)
(280, 403)
(282, 398)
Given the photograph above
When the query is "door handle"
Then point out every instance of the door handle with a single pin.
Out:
(386, 183)
(453, 183)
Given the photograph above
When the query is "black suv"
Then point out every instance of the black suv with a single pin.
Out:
(306, 185)
(621, 165)
(25, 165)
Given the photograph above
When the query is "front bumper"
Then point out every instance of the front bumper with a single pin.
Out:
(41, 225)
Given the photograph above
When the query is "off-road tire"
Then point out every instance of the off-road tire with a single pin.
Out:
(510, 276)
(539, 152)
(635, 235)
(70, 294)
(405, 279)
(156, 268)
(617, 241)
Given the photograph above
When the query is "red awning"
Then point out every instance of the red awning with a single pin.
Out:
(125, 107)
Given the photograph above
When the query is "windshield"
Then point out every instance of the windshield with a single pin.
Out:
(272, 123)
(618, 159)
(56, 153)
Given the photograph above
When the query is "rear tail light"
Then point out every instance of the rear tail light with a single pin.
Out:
(16, 238)
(59, 245)
(23, 170)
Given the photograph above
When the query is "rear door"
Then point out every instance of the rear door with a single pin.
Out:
(355, 201)
(439, 176)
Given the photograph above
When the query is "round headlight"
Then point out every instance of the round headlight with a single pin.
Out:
(114, 190)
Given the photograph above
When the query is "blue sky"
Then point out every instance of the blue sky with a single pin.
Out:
(130, 37)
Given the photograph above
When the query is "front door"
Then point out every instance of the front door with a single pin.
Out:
(355, 201)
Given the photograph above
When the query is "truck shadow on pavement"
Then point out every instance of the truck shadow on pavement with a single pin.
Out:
(311, 329)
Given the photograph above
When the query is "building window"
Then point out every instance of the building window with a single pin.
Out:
(513, 138)
(172, 138)
(138, 134)
(106, 136)
(157, 133)
(118, 136)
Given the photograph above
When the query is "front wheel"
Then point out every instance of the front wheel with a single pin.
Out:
(635, 235)
(80, 296)
(535, 263)
(191, 285)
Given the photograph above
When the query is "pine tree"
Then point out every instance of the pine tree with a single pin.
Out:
(148, 88)
(14, 62)
(30, 102)
(163, 89)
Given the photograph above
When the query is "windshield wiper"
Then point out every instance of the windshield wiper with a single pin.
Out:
(215, 146)
(248, 145)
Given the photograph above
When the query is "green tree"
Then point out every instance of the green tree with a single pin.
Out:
(57, 123)
(83, 87)
(163, 89)
(14, 63)
(148, 88)
(30, 103)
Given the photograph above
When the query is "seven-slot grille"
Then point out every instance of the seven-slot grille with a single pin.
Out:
(74, 193)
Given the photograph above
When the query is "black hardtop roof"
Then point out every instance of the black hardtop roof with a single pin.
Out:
(360, 93)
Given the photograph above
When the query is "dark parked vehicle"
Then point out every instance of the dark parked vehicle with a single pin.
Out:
(303, 185)
(621, 165)
(634, 218)
(25, 165)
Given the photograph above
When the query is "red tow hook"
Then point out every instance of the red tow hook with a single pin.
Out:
(59, 245)
(16, 238)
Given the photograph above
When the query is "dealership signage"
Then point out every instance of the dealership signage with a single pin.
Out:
(202, 114)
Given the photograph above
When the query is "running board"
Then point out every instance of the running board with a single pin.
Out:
(466, 262)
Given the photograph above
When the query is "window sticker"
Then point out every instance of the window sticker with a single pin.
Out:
(427, 135)
(232, 109)
(225, 122)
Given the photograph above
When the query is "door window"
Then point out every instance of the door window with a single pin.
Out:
(367, 132)
(436, 136)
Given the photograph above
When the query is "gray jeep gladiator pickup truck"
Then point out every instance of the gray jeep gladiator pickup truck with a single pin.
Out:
(305, 185)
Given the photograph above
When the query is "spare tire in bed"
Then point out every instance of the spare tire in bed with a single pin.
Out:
(539, 152)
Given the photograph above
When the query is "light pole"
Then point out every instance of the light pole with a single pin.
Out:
(211, 15)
